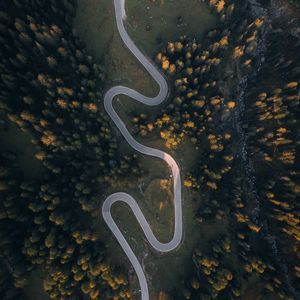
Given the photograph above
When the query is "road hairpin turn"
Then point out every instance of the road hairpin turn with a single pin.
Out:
(126, 198)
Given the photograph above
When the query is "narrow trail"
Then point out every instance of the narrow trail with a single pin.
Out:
(124, 197)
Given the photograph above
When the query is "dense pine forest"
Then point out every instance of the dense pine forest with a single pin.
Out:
(234, 97)
(50, 89)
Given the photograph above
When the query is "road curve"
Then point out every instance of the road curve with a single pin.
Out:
(126, 198)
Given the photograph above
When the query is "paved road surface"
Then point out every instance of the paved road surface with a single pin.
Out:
(126, 198)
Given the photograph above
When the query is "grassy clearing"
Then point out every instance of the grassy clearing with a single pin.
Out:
(152, 24)
(95, 23)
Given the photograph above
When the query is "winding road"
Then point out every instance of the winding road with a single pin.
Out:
(124, 197)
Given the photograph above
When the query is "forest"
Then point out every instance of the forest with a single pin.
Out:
(234, 96)
(50, 89)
